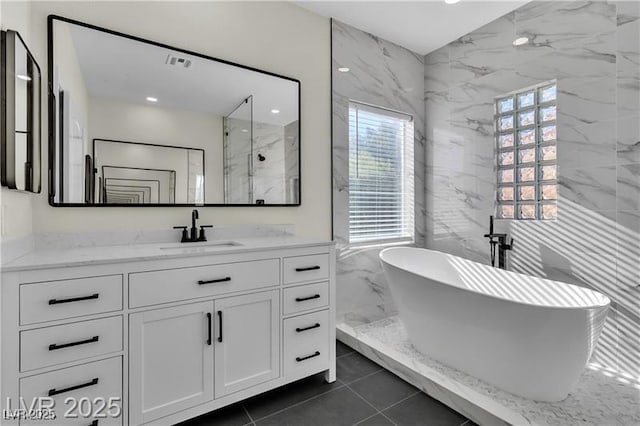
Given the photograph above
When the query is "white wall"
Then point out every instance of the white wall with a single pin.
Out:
(275, 36)
(124, 121)
(17, 206)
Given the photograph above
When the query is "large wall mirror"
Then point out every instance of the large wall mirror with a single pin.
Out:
(138, 123)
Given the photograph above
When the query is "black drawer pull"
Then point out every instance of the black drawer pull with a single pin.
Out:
(73, 299)
(209, 328)
(302, 299)
(55, 346)
(219, 280)
(55, 391)
(220, 326)
(311, 327)
(303, 358)
(310, 268)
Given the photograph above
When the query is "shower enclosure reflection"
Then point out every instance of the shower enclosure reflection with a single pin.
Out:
(238, 161)
(260, 157)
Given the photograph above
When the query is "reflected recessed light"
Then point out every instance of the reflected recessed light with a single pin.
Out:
(343, 69)
(244, 131)
(451, 1)
(23, 77)
(275, 111)
(152, 99)
(520, 41)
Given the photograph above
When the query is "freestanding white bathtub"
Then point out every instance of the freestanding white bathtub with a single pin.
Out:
(529, 336)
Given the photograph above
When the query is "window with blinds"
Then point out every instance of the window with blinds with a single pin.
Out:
(381, 178)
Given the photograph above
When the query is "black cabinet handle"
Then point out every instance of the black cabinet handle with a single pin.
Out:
(209, 328)
(219, 280)
(302, 299)
(55, 346)
(220, 326)
(310, 268)
(73, 299)
(311, 327)
(55, 391)
(303, 358)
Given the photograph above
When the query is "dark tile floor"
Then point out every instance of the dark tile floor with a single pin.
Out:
(364, 394)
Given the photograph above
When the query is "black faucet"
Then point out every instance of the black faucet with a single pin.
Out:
(502, 246)
(193, 236)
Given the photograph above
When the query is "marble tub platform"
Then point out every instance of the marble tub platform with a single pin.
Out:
(599, 398)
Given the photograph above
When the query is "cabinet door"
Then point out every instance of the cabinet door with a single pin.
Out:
(247, 344)
(170, 359)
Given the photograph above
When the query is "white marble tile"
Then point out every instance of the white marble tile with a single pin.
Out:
(587, 103)
(592, 188)
(628, 186)
(628, 143)
(564, 24)
(601, 397)
(483, 51)
(588, 145)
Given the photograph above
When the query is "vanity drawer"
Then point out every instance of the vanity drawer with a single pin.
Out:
(151, 288)
(47, 346)
(55, 300)
(306, 268)
(305, 297)
(306, 344)
(100, 379)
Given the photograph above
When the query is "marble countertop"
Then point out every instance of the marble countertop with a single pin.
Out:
(82, 256)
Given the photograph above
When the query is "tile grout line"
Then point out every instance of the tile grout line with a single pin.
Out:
(371, 405)
(342, 385)
(403, 400)
(363, 377)
(248, 415)
(367, 418)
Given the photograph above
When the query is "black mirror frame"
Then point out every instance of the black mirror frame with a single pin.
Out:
(33, 178)
(52, 118)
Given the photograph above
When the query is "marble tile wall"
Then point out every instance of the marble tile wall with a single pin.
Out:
(592, 49)
(383, 74)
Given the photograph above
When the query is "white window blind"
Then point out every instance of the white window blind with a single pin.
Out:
(381, 178)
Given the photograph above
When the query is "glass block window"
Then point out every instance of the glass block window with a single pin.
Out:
(381, 177)
(526, 153)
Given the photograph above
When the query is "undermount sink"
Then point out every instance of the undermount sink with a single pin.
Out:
(205, 245)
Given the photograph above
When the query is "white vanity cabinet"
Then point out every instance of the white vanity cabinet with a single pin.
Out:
(166, 338)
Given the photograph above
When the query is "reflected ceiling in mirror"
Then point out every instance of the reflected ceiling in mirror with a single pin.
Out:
(205, 131)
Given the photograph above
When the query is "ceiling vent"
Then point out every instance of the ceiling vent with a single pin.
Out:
(178, 61)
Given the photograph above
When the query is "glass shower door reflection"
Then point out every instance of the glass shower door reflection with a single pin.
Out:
(238, 159)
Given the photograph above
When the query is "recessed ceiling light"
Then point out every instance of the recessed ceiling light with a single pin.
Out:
(23, 77)
(343, 69)
(152, 99)
(451, 1)
(244, 131)
(520, 41)
(275, 111)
